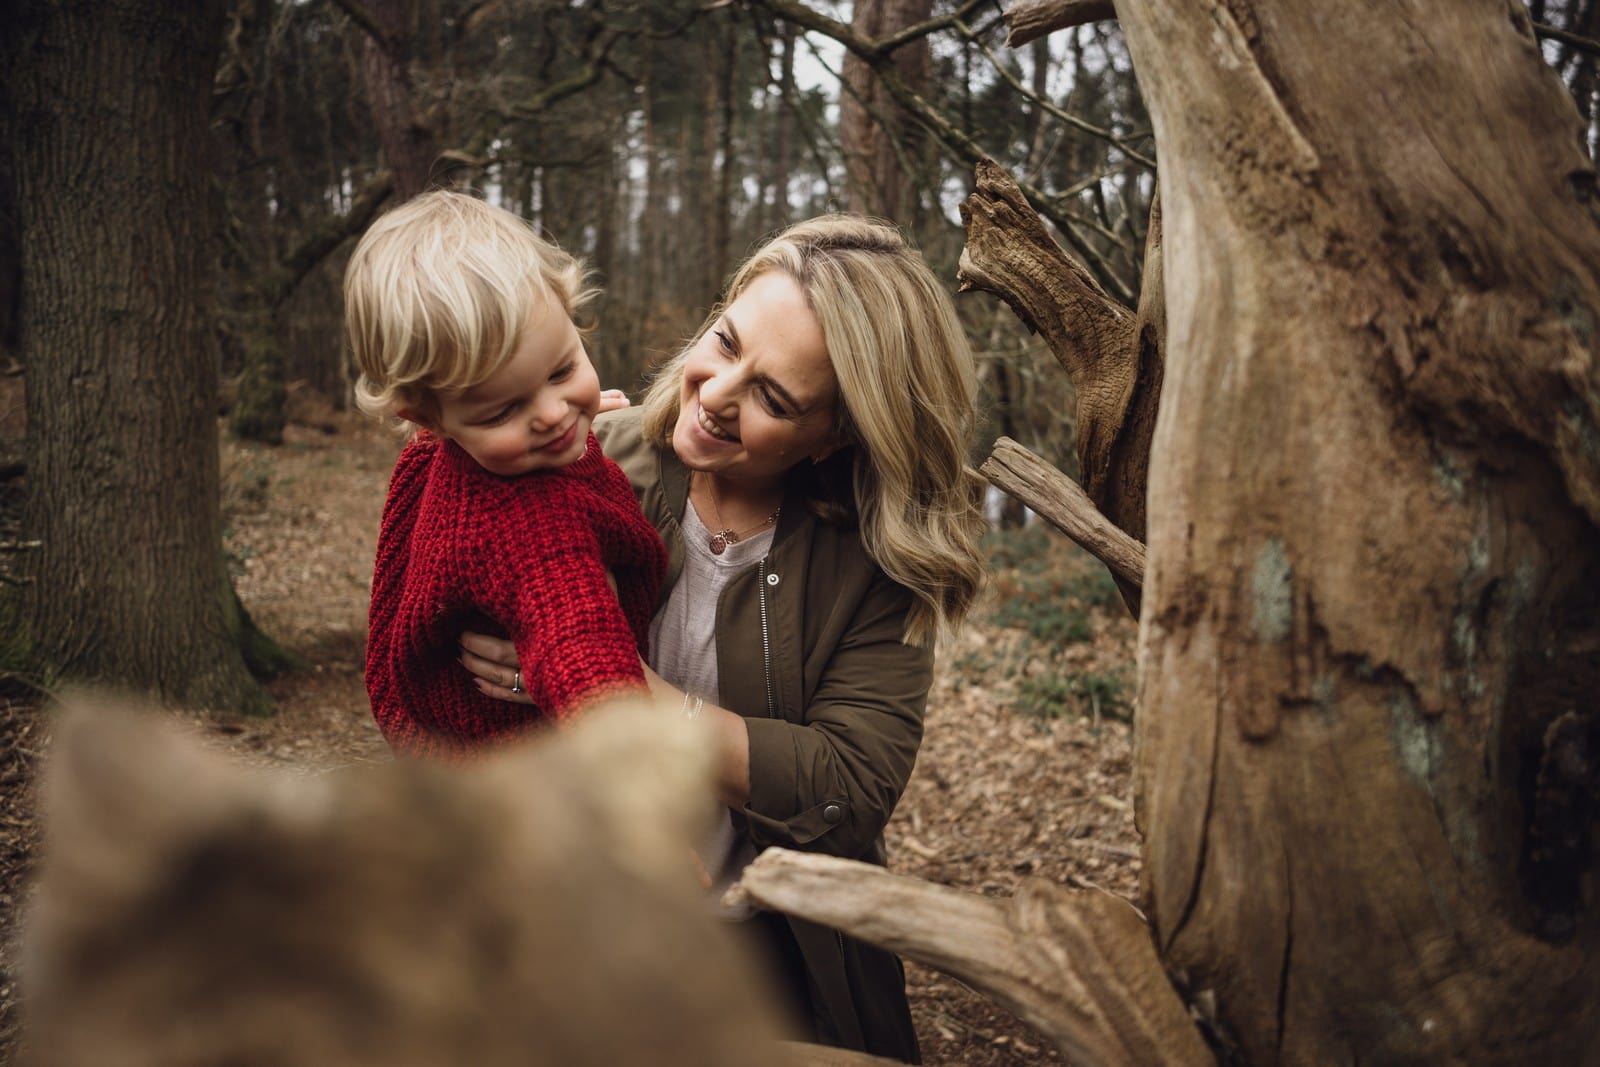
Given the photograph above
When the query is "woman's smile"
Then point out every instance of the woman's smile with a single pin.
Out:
(710, 426)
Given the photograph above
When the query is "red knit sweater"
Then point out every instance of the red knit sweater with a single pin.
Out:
(526, 557)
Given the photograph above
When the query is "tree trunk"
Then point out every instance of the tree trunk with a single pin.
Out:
(781, 151)
(10, 250)
(875, 137)
(1367, 730)
(408, 144)
(118, 309)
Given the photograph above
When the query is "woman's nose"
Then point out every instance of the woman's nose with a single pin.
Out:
(719, 391)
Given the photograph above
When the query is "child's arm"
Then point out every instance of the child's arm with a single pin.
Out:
(493, 663)
(548, 588)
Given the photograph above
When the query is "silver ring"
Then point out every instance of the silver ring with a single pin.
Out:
(516, 684)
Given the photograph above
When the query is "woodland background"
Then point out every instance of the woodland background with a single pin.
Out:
(178, 191)
(659, 140)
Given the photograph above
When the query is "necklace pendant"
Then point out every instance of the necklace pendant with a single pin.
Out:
(719, 543)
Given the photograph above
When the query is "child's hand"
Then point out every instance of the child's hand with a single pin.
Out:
(613, 400)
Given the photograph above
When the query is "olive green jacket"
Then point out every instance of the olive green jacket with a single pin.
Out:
(809, 651)
(834, 699)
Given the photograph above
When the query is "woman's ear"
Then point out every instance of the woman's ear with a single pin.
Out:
(841, 439)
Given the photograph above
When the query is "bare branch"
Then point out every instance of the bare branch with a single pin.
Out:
(1571, 40)
(955, 18)
(953, 138)
(1051, 108)
(1059, 499)
(1031, 19)
(1079, 965)
(553, 94)
(358, 14)
(327, 236)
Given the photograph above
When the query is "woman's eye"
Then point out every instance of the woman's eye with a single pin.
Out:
(770, 400)
(724, 342)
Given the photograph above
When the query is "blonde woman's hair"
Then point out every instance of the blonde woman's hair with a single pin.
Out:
(907, 391)
(436, 296)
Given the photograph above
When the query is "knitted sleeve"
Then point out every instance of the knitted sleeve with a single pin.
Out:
(546, 584)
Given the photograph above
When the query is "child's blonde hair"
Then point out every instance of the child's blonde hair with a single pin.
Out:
(436, 296)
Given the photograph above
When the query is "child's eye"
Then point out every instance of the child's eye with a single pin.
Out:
(563, 373)
(500, 416)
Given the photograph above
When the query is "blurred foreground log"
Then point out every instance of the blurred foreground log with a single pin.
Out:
(537, 907)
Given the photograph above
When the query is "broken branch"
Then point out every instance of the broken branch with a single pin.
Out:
(1079, 965)
(1032, 19)
(1059, 499)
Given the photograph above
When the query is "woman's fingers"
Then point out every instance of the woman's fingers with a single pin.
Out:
(494, 651)
(495, 672)
(613, 400)
(489, 671)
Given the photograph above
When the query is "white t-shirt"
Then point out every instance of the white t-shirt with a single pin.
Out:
(683, 650)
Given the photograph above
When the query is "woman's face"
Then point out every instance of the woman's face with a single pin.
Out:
(758, 392)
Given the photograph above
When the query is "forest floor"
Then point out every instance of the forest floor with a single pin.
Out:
(1023, 773)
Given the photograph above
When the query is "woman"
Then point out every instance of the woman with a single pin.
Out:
(805, 459)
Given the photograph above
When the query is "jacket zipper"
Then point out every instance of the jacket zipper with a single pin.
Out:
(766, 662)
(766, 642)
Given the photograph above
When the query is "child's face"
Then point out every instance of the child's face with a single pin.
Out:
(534, 413)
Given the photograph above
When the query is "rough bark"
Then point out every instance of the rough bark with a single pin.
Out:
(118, 307)
(1367, 721)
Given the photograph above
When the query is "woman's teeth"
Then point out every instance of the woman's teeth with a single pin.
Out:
(713, 429)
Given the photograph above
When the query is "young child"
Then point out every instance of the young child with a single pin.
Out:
(502, 508)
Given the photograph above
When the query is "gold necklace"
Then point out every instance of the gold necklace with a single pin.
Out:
(721, 539)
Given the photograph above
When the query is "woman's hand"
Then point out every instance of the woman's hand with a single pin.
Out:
(493, 664)
(613, 400)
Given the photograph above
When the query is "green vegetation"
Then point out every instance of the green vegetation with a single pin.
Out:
(1064, 649)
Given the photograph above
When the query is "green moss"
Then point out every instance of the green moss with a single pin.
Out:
(1272, 591)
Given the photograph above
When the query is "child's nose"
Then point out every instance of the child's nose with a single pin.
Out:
(548, 410)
